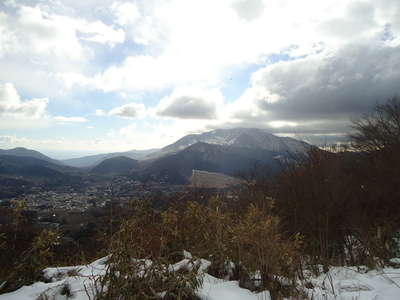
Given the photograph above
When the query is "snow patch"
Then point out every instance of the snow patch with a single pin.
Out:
(344, 283)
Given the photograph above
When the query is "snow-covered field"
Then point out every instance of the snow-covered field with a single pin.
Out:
(340, 283)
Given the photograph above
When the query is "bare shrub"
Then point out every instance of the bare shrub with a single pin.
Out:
(267, 255)
(139, 267)
(379, 129)
(203, 230)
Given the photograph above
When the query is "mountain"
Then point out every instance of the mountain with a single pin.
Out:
(31, 168)
(239, 137)
(20, 151)
(227, 159)
(226, 151)
(119, 165)
(92, 160)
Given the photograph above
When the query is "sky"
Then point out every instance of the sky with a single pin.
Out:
(94, 76)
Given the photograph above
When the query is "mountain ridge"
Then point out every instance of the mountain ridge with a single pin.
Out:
(177, 168)
(93, 160)
(119, 165)
(34, 168)
(227, 151)
(242, 137)
(21, 151)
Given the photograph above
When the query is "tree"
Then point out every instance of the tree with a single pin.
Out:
(380, 129)
(378, 135)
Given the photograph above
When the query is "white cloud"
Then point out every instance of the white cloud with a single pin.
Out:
(50, 47)
(180, 48)
(128, 131)
(28, 114)
(125, 12)
(100, 112)
(131, 110)
(56, 34)
(46, 34)
(168, 44)
(10, 3)
(280, 124)
(11, 104)
(70, 119)
(62, 144)
(249, 9)
(188, 50)
(101, 33)
(72, 78)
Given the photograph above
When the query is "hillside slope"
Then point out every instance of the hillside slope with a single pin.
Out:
(31, 168)
(229, 160)
(92, 160)
(239, 137)
(119, 165)
(20, 151)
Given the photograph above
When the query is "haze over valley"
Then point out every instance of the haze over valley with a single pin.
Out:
(227, 151)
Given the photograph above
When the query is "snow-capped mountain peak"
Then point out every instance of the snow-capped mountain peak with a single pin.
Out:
(240, 137)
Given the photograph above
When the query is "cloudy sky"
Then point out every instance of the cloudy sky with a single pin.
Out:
(81, 77)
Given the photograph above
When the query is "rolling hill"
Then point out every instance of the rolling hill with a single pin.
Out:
(119, 165)
(35, 169)
(92, 160)
(20, 151)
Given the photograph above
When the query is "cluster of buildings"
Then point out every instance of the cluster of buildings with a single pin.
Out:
(88, 194)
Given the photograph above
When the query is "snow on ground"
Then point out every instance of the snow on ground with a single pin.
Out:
(219, 289)
(352, 283)
(340, 283)
(79, 278)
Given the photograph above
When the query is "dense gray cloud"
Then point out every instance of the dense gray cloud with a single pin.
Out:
(191, 103)
(187, 107)
(317, 97)
(340, 85)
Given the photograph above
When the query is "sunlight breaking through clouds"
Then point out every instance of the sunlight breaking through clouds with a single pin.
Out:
(169, 65)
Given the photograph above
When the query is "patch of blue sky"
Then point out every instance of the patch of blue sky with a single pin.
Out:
(387, 34)
(236, 81)
(152, 98)
(237, 78)
(107, 56)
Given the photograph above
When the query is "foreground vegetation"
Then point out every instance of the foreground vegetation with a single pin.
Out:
(329, 209)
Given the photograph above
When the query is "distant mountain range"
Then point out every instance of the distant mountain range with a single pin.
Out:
(227, 151)
(35, 169)
(92, 160)
(20, 151)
